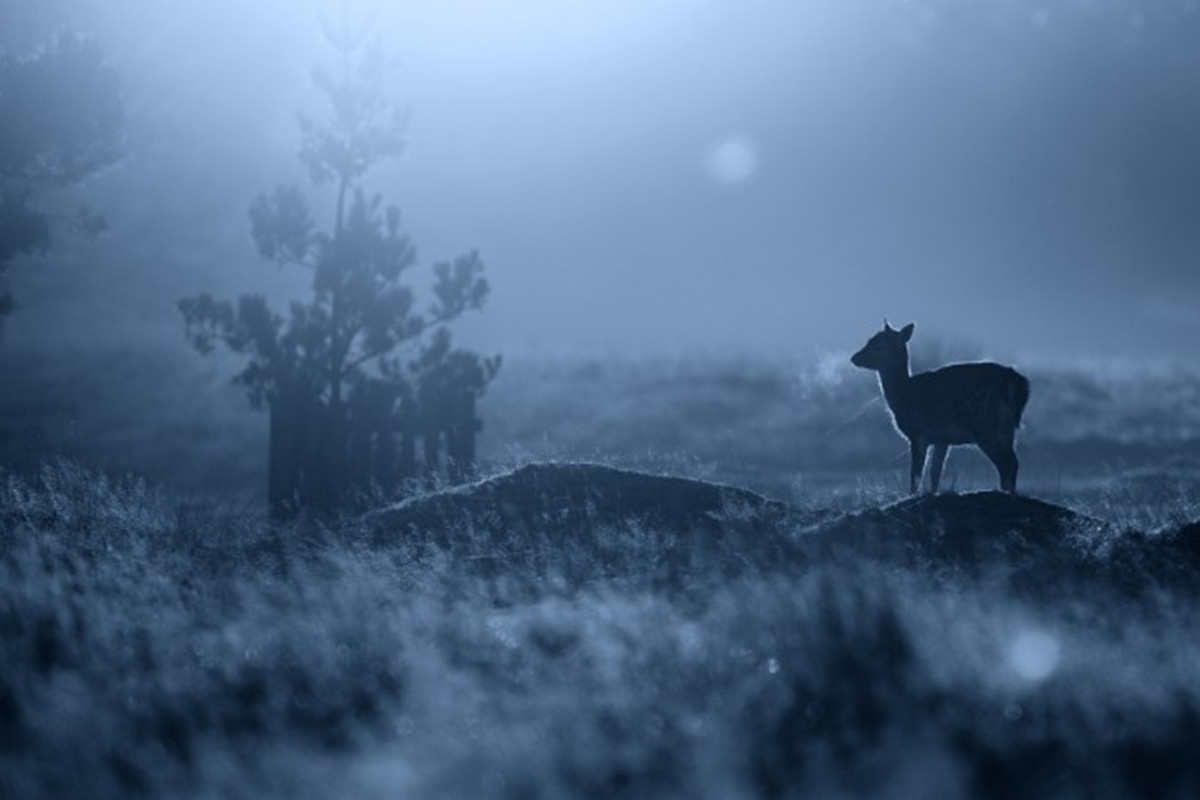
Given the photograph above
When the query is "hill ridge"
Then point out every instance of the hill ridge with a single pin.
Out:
(579, 491)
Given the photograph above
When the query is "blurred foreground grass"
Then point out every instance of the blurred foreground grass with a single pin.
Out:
(158, 647)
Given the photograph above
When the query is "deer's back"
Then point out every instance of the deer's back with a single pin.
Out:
(961, 403)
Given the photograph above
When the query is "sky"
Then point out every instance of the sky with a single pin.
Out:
(668, 176)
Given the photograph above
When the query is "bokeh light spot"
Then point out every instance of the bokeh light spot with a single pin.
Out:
(734, 160)
(1033, 655)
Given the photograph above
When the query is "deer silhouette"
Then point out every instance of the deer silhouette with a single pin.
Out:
(974, 403)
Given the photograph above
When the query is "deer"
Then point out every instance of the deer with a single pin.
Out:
(975, 403)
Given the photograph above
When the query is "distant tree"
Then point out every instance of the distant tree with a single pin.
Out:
(61, 120)
(359, 354)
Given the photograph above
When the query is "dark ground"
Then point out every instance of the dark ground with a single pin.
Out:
(584, 630)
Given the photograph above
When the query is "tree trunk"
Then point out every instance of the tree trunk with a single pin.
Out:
(284, 463)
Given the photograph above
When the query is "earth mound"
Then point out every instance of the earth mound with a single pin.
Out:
(1026, 539)
(970, 525)
(568, 496)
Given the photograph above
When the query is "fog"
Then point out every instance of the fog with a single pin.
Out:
(669, 176)
(608, 509)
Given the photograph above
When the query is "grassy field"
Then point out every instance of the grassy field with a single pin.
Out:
(159, 638)
(811, 431)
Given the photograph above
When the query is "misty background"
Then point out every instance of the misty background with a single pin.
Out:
(679, 555)
(663, 177)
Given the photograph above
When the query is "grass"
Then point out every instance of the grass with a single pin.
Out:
(160, 638)
(172, 649)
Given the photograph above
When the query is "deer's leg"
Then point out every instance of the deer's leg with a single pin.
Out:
(1008, 469)
(935, 466)
(1004, 457)
(1008, 473)
(918, 447)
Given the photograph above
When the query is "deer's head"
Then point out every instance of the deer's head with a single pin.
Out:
(889, 346)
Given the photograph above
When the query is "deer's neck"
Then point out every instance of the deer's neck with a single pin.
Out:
(894, 381)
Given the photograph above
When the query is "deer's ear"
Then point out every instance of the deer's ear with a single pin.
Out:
(886, 327)
(907, 331)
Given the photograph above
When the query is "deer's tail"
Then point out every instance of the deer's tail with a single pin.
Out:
(1017, 396)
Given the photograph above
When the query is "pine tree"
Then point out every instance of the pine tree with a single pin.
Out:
(61, 121)
(357, 374)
